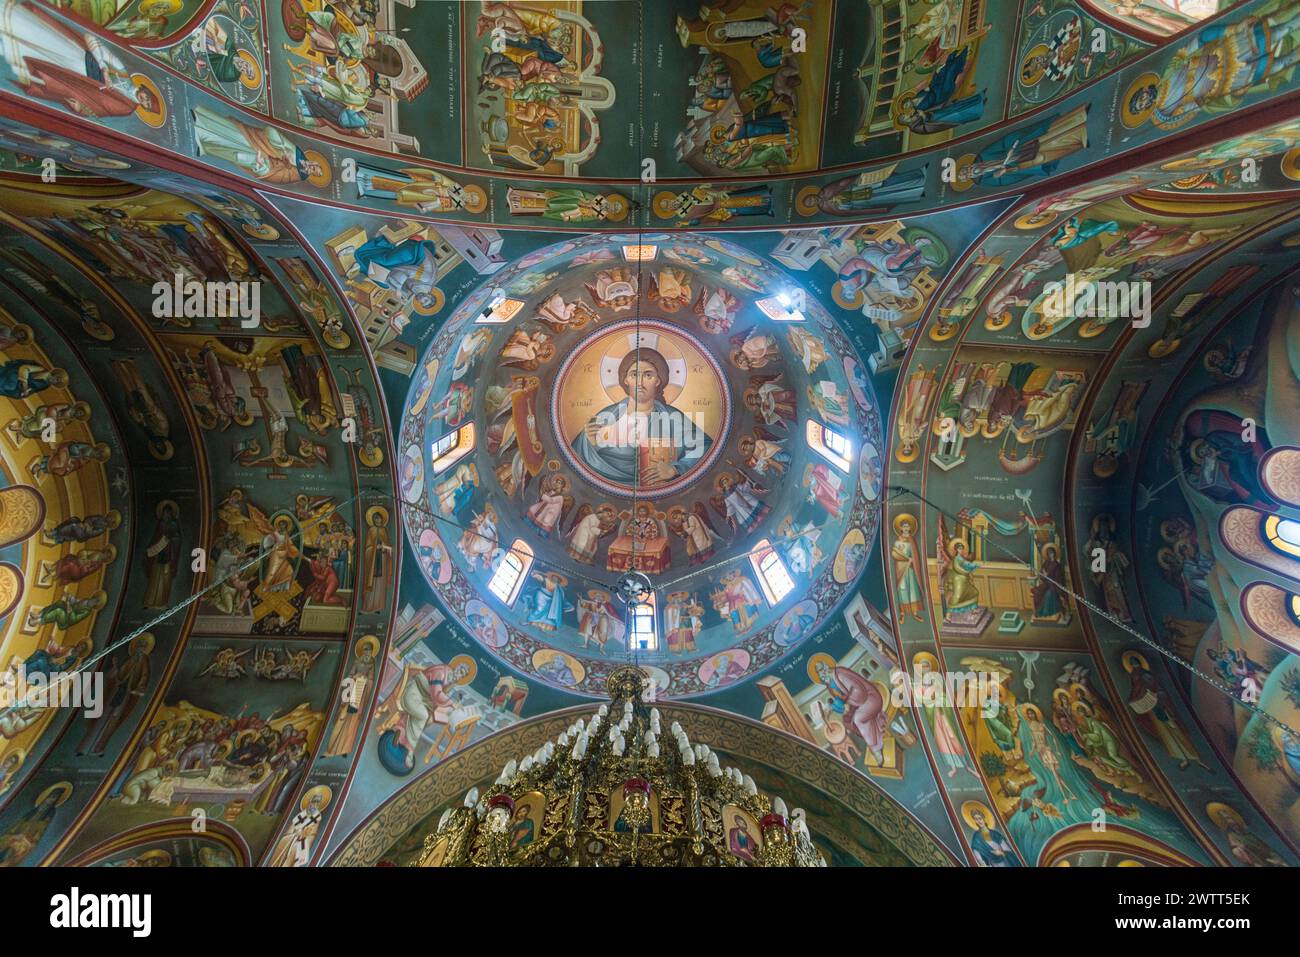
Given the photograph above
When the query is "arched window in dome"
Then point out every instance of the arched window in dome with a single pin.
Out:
(511, 573)
(644, 636)
(452, 447)
(1283, 534)
(773, 576)
(830, 445)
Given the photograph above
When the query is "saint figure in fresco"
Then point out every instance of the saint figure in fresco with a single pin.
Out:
(641, 441)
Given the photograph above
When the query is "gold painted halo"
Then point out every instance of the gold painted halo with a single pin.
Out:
(616, 207)
(1037, 50)
(1034, 220)
(1163, 347)
(900, 518)
(254, 81)
(438, 298)
(928, 658)
(1221, 814)
(374, 512)
(959, 183)
(371, 457)
(473, 198)
(1029, 708)
(847, 302)
(325, 176)
(968, 810)
(613, 354)
(664, 204)
(820, 658)
(261, 231)
(471, 667)
(367, 641)
(543, 656)
(154, 118)
(942, 332)
(805, 201)
(143, 642)
(1131, 659)
(1135, 118)
(1290, 163)
(321, 791)
(63, 787)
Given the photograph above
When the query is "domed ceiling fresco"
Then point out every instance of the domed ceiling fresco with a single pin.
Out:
(641, 416)
(785, 313)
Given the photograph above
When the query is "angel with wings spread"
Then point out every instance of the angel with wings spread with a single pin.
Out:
(586, 530)
(717, 310)
(696, 529)
(769, 399)
(752, 349)
(559, 315)
(764, 452)
(552, 505)
(671, 288)
(512, 412)
(737, 501)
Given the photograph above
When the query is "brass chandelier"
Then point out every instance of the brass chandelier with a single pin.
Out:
(619, 790)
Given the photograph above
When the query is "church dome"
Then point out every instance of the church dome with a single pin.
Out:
(660, 405)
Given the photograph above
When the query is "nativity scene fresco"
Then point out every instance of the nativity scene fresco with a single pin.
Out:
(888, 406)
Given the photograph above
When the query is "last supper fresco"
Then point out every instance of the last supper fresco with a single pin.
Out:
(900, 398)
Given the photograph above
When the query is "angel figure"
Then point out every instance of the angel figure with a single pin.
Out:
(696, 529)
(552, 505)
(559, 315)
(908, 574)
(514, 426)
(586, 530)
(473, 347)
(614, 289)
(769, 399)
(671, 288)
(526, 350)
(478, 543)
(961, 598)
(717, 310)
(598, 619)
(737, 501)
(752, 349)
(764, 452)
(298, 663)
(809, 348)
(226, 664)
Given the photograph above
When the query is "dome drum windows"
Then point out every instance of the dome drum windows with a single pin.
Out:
(452, 447)
(773, 576)
(830, 445)
(512, 572)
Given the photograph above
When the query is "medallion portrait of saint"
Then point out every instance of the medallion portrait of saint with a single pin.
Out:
(668, 407)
